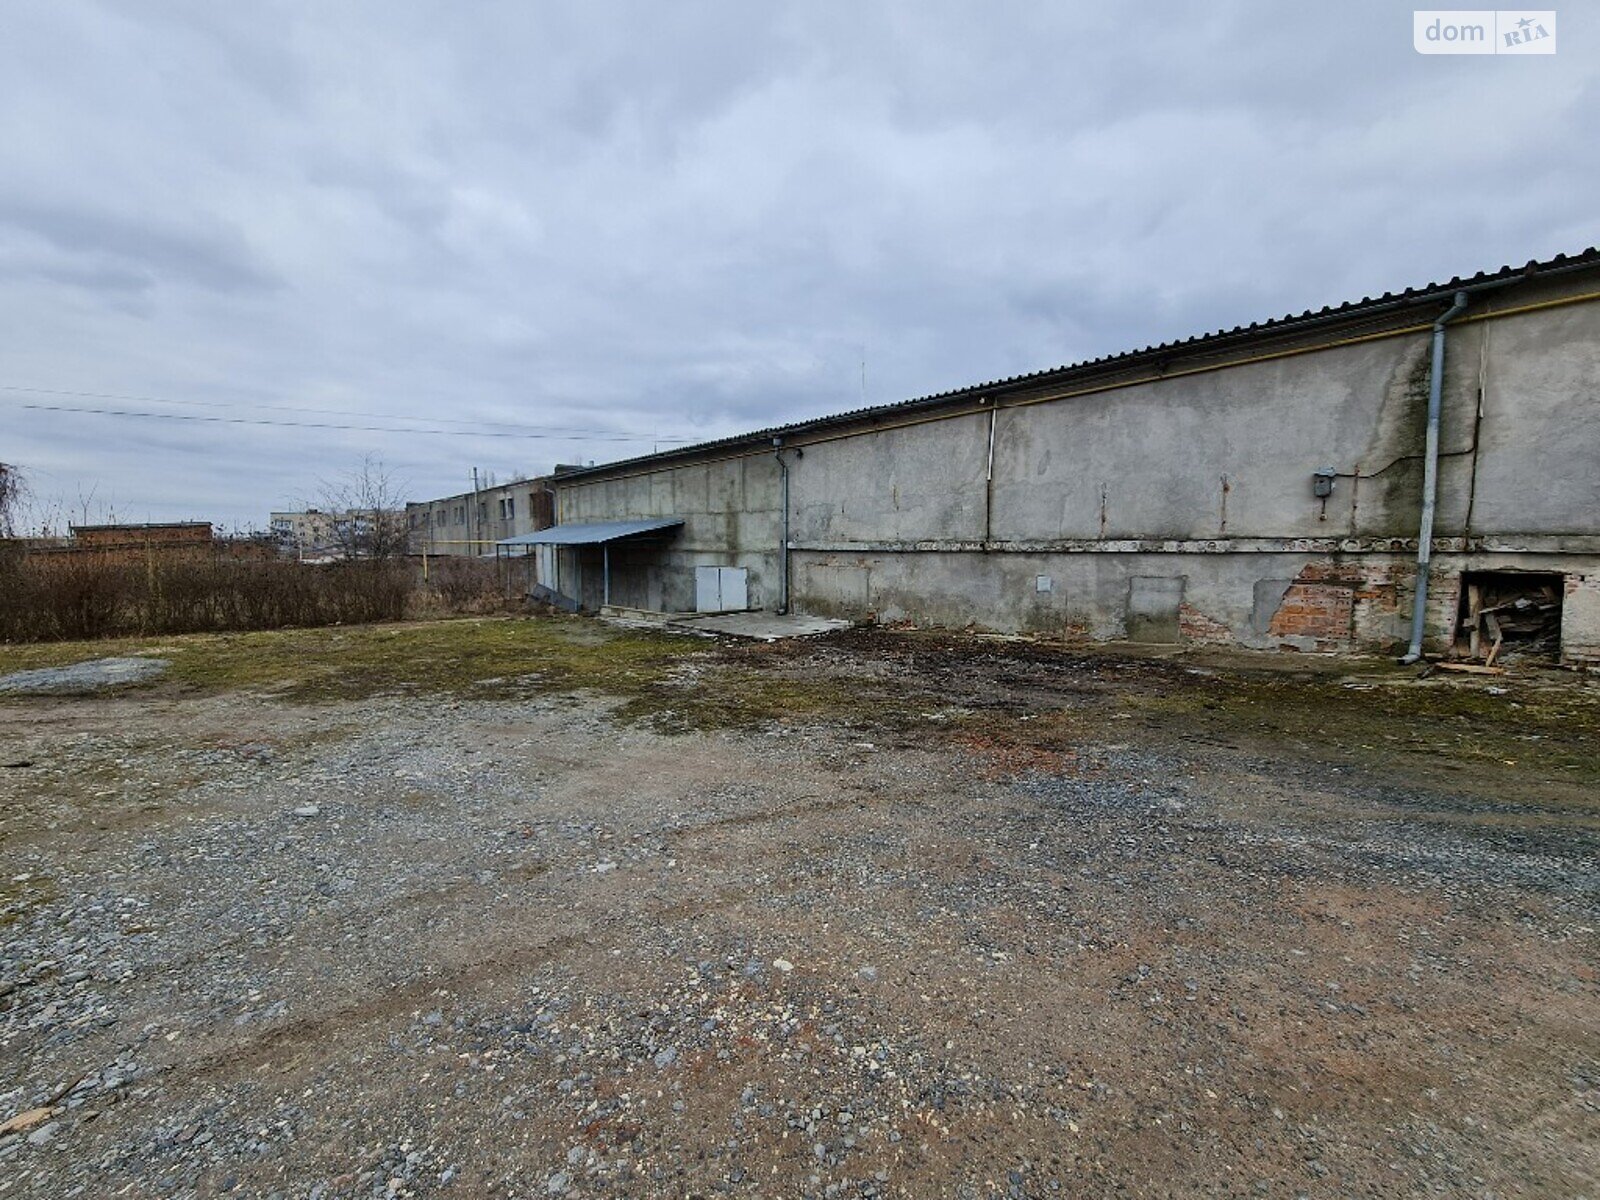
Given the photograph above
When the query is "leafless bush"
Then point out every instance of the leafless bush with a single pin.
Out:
(466, 585)
(46, 598)
(58, 596)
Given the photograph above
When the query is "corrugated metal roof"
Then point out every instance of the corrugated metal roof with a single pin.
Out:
(1292, 323)
(591, 534)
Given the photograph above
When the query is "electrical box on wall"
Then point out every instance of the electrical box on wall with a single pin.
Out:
(1322, 482)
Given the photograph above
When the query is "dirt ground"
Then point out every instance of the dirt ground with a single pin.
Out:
(542, 908)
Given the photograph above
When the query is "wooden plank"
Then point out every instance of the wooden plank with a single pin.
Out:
(1492, 624)
(1470, 668)
(1474, 603)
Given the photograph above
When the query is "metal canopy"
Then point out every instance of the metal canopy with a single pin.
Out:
(595, 534)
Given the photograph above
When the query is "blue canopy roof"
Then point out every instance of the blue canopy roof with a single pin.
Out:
(592, 534)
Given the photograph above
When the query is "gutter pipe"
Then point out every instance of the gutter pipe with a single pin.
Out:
(783, 543)
(1430, 479)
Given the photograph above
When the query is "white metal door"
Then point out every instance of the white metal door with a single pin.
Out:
(707, 589)
(719, 589)
(735, 589)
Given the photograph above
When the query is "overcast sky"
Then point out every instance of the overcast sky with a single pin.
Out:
(682, 220)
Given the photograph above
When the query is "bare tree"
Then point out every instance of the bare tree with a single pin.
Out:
(365, 510)
(13, 491)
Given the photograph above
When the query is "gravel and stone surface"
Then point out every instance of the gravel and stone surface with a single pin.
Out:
(426, 945)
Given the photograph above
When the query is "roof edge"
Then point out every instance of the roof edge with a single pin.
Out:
(1285, 326)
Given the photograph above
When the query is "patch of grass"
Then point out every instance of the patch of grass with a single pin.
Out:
(657, 676)
(741, 697)
(676, 683)
(486, 658)
(1539, 728)
(349, 662)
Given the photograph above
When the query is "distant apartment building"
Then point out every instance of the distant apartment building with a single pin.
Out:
(472, 522)
(313, 535)
(307, 534)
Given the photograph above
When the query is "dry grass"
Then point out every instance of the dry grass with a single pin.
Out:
(1538, 727)
(654, 676)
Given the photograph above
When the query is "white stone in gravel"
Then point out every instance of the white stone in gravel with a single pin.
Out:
(82, 677)
(782, 964)
(308, 810)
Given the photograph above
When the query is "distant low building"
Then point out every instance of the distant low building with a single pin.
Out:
(166, 539)
(469, 524)
(156, 535)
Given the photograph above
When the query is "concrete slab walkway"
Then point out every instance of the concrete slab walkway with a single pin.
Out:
(761, 626)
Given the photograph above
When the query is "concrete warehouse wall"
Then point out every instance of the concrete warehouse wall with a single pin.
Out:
(731, 518)
(1180, 507)
(1538, 463)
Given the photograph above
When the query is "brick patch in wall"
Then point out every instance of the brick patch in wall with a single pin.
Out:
(1196, 627)
(1318, 612)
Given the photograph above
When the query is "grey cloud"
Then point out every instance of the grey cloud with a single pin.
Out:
(109, 245)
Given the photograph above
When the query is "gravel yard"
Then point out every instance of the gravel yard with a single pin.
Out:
(539, 908)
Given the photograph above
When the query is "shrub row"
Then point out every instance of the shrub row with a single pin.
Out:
(54, 597)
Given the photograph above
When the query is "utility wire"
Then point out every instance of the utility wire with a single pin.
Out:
(337, 412)
(557, 437)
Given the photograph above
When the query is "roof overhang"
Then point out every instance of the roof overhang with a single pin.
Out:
(1413, 304)
(594, 534)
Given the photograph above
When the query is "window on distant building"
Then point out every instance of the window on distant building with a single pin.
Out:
(461, 514)
(441, 514)
(508, 508)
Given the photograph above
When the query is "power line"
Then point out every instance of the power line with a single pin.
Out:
(338, 412)
(557, 437)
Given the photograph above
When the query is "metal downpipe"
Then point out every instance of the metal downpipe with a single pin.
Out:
(783, 536)
(1430, 480)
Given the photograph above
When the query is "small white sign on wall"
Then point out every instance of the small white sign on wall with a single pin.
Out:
(1043, 583)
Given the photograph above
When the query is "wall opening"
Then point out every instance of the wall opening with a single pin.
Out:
(1153, 605)
(1509, 615)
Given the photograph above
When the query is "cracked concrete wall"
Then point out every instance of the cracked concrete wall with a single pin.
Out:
(1181, 506)
(1206, 481)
